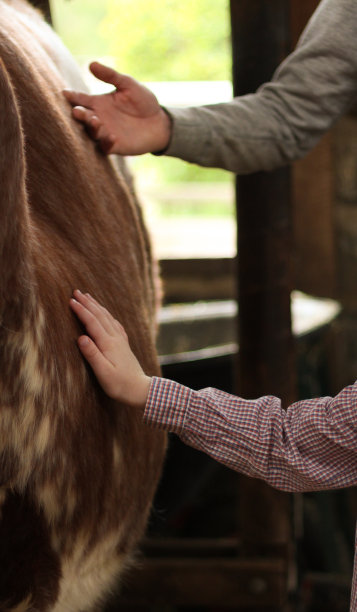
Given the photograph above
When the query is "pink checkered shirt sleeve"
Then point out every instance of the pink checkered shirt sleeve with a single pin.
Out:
(310, 446)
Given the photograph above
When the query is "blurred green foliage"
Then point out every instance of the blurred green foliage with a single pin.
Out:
(171, 170)
(153, 40)
(77, 22)
(163, 40)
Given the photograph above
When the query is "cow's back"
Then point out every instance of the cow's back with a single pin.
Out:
(78, 471)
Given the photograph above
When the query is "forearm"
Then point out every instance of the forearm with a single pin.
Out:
(286, 117)
(311, 446)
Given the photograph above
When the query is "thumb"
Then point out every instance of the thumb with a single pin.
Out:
(109, 75)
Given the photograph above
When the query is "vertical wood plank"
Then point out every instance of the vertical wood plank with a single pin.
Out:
(313, 198)
(300, 13)
(260, 35)
(260, 40)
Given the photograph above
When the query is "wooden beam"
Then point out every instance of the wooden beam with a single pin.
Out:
(261, 39)
(190, 280)
(300, 13)
(260, 33)
(313, 198)
(226, 583)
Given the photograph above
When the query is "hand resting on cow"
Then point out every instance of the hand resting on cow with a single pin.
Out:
(127, 121)
(108, 352)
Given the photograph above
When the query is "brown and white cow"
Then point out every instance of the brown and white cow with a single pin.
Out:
(77, 470)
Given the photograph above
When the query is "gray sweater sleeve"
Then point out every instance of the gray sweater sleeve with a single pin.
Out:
(285, 118)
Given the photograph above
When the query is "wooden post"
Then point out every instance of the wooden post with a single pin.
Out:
(260, 31)
(314, 214)
(261, 39)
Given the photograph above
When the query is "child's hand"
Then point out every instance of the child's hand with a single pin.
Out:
(108, 352)
(128, 121)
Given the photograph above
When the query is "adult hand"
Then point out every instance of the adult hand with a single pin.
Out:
(127, 121)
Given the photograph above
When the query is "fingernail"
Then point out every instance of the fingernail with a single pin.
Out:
(83, 341)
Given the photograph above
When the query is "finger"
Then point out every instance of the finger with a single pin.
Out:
(106, 144)
(99, 132)
(99, 312)
(92, 324)
(109, 75)
(92, 122)
(100, 365)
(112, 325)
(77, 98)
(84, 114)
(95, 128)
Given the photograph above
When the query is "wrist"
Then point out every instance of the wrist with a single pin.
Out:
(142, 392)
(165, 124)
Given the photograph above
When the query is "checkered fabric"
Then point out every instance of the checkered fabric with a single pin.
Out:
(310, 446)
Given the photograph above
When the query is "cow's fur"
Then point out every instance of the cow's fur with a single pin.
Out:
(77, 471)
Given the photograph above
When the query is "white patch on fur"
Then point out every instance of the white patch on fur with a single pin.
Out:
(43, 435)
(88, 577)
(117, 456)
(48, 499)
(29, 369)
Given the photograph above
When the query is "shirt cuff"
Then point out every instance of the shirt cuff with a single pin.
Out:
(167, 405)
(190, 135)
(163, 151)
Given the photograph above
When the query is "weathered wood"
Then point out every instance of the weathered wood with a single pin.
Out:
(267, 363)
(190, 547)
(314, 221)
(264, 271)
(235, 583)
(300, 13)
(189, 280)
(264, 217)
(313, 198)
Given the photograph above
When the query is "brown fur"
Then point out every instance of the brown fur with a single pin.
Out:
(77, 471)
